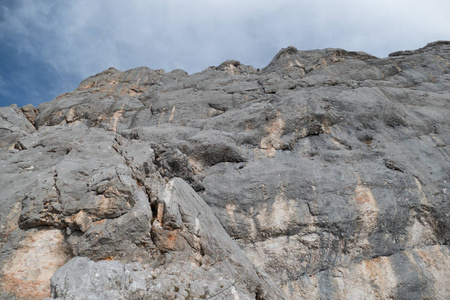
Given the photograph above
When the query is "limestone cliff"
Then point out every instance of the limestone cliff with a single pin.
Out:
(325, 175)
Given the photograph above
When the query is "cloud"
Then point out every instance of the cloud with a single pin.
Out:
(84, 37)
(87, 36)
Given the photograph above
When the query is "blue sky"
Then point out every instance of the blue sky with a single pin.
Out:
(47, 47)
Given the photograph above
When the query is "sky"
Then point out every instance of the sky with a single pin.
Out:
(47, 47)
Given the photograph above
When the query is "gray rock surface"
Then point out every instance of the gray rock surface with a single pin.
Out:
(324, 175)
(199, 260)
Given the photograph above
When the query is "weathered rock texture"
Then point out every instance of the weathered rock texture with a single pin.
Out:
(324, 175)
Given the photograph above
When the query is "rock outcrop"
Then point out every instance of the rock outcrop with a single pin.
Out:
(325, 175)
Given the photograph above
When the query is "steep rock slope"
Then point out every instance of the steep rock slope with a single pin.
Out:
(324, 175)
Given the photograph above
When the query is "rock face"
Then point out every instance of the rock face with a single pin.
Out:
(325, 175)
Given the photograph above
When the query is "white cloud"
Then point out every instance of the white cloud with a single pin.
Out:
(84, 37)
